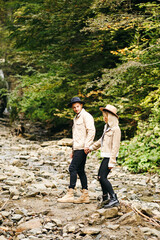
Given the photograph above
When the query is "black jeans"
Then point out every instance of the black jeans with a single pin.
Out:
(102, 177)
(77, 168)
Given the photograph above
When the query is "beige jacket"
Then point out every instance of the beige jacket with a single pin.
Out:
(83, 130)
(110, 140)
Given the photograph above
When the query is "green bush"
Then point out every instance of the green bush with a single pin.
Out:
(142, 153)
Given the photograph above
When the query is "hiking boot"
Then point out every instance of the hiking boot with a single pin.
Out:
(113, 202)
(68, 198)
(84, 198)
(104, 200)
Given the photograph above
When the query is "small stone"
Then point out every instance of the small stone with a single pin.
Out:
(123, 190)
(16, 217)
(17, 163)
(3, 177)
(49, 226)
(108, 213)
(113, 226)
(58, 222)
(150, 232)
(87, 237)
(2, 238)
(95, 218)
(81, 225)
(15, 197)
(156, 214)
(13, 191)
(20, 236)
(33, 223)
(71, 228)
(65, 142)
(91, 230)
(129, 218)
(5, 213)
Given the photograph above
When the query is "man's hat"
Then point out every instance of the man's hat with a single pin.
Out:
(75, 100)
(111, 109)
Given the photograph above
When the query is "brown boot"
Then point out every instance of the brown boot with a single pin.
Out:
(84, 198)
(68, 198)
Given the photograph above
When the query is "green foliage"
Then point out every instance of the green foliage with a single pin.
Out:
(104, 51)
(142, 153)
(39, 97)
(3, 92)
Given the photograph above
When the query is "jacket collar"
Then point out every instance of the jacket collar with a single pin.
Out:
(107, 128)
(79, 114)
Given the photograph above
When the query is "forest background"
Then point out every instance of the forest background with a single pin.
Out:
(104, 51)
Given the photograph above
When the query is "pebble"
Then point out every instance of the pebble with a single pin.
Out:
(108, 213)
(16, 217)
(91, 230)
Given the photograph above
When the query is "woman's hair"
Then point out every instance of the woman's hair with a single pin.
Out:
(105, 112)
(112, 120)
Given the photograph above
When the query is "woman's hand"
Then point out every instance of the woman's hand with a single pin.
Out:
(110, 167)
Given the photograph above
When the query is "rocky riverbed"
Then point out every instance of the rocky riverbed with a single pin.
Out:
(33, 174)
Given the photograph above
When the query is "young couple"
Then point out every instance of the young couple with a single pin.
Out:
(83, 135)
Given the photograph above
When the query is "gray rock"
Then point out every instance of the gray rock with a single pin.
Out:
(150, 232)
(65, 142)
(13, 191)
(5, 213)
(16, 217)
(156, 214)
(108, 213)
(31, 224)
(87, 237)
(49, 226)
(91, 230)
(113, 226)
(20, 236)
(129, 218)
(58, 222)
(2, 238)
(123, 190)
(71, 228)
(3, 177)
(95, 218)
(35, 189)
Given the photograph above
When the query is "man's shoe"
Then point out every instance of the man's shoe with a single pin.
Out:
(68, 198)
(84, 198)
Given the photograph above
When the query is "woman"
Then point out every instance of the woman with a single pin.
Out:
(109, 143)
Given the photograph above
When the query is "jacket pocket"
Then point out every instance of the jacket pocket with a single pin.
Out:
(79, 124)
(109, 134)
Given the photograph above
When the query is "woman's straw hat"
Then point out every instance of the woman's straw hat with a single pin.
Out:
(110, 108)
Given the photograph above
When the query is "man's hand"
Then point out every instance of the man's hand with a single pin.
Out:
(86, 150)
(110, 167)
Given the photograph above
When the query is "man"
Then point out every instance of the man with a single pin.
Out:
(83, 132)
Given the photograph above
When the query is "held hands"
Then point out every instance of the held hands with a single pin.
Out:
(86, 150)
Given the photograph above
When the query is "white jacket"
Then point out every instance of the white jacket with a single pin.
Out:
(110, 140)
(83, 130)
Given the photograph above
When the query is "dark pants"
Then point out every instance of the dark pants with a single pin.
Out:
(77, 168)
(102, 177)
